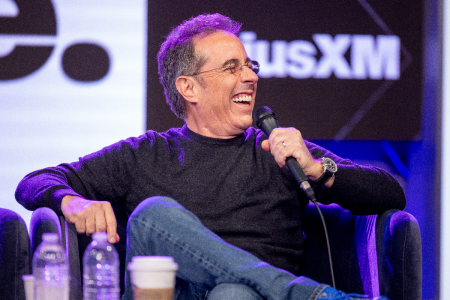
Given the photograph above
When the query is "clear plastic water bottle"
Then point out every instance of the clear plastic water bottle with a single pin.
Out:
(100, 269)
(50, 270)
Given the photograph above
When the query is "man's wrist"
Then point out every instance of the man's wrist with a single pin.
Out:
(316, 171)
(67, 198)
(329, 168)
(65, 201)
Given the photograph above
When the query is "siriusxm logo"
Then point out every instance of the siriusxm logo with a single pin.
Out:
(370, 57)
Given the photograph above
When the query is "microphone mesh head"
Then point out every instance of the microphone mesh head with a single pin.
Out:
(261, 113)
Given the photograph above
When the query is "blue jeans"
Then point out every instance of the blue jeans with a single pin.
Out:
(161, 226)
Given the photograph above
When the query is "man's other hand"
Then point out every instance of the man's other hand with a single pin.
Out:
(90, 216)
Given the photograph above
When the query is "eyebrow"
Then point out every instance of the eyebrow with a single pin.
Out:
(234, 60)
(230, 61)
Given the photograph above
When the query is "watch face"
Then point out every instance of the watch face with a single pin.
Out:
(329, 164)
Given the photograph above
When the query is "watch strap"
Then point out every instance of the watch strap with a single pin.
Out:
(327, 174)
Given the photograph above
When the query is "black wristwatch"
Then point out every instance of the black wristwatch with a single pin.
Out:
(329, 169)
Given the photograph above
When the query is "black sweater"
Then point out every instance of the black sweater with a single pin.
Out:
(233, 185)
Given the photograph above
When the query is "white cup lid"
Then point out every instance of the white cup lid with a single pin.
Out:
(156, 263)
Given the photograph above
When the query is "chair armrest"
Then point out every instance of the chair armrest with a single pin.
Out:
(374, 254)
(14, 255)
(399, 250)
(341, 232)
(45, 220)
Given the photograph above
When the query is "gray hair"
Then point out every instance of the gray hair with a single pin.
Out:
(177, 54)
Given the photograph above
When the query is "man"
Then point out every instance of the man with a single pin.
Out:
(232, 221)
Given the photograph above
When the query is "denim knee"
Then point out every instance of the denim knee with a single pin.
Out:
(226, 291)
(161, 209)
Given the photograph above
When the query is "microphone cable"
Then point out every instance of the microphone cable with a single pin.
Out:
(313, 200)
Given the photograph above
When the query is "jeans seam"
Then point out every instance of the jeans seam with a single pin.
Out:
(318, 291)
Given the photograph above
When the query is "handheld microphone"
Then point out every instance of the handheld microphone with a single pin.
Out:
(267, 121)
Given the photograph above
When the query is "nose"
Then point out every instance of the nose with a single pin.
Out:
(247, 75)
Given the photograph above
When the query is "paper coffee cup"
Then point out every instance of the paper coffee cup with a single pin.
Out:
(153, 277)
(28, 281)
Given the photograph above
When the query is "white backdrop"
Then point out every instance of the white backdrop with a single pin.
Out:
(48, 118)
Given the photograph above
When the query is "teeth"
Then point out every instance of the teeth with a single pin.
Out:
(242, 99)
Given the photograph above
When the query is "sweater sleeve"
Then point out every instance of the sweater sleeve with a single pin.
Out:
(362, 189)
(105, 175)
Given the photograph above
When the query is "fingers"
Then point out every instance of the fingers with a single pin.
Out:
(286, 142)
(111, 226)
(102, 219)
(266, 145)
(91, 216)
(80, 226)
(281, 143)
(90, 221)
(276, 138)
(288, 136)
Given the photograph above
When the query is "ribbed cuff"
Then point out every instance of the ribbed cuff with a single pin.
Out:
(57, 197)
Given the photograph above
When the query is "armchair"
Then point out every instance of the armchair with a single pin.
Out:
(375, 254)
(14, 255)
(372, 255)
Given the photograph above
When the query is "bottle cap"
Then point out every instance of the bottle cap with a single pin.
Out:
(50, 237)
(100, 236)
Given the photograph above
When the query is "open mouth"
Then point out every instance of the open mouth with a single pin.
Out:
(242, 99)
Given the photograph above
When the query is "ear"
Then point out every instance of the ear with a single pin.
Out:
(187, 87)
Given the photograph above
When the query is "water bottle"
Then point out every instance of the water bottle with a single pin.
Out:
(100, 269)
(50, 270)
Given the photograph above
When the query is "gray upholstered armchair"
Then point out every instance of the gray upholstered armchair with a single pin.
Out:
(375, 254)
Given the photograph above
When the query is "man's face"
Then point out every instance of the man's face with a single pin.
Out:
(225, 99)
